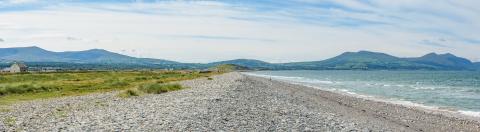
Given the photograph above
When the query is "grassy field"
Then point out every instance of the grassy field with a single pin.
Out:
(22, 87)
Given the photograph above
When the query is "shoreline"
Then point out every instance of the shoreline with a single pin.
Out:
(227, 102)
(409, 113)
(451, 112)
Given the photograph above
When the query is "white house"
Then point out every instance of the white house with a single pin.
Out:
(18, 67)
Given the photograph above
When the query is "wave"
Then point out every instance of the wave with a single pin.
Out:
(309, 83)
(470, 113)
(473, 90)
(294, 78)
(423, 88)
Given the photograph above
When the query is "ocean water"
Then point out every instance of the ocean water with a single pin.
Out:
(457, 91)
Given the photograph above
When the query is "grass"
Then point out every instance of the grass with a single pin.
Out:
(10, 121)
(60, 113)
(228, 68)
(31, 86)
(129, 93)
(4, 110)
(158, 88)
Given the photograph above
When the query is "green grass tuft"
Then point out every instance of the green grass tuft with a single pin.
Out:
(160, 88)
(4, 110)
(10, 121)
(25, 88)
(129, 93)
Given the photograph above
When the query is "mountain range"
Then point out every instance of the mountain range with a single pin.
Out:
(36, 54)
(362, 60)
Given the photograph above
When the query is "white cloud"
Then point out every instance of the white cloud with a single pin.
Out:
(16, 2)
(210, 31)
(21, 1)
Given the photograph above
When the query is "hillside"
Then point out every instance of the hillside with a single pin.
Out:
(476, 65)
(360, 60)
(250, 63)
(447, 61)
(228, 68)
(36, 54)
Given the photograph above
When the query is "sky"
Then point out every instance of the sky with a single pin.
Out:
(273, 30)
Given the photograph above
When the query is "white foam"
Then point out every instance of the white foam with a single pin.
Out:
(293, 78)
(423, 88)
(470, 113)
(409, 103)
(343, 90)
(326, 82)
(369, 97)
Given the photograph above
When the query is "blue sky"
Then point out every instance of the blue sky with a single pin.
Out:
(274, 31)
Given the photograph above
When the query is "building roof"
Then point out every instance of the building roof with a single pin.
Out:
(20, 64)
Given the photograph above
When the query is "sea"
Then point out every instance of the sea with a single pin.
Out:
(455, 91)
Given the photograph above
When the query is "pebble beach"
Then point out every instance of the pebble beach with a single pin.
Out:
(228, 102)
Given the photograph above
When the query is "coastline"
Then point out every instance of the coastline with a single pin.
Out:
(418, 111)
(228, 102)
(452, 112)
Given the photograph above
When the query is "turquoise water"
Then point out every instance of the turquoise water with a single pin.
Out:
(449, 90)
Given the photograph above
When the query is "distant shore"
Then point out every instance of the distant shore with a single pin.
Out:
(228, 102)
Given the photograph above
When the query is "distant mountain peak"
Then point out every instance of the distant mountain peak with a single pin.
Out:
(365, 54)
(251, 63)
(27, 47)
(433, 54)
(365, 51)
(33, 47)
(448, 54)
(97, 50)
(444, 60)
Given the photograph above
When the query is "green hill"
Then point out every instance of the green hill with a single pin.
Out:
(36, 54)
(250, 63)
(228, 68)
(446, 61)
(364, 60)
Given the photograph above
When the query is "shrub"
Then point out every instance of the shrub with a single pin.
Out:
(26, 88)
(3, 91)
(117, 83)
(141, 78)
(209, 78)
(160, 88)
(129, 93)
(171, 72)
(132, 92)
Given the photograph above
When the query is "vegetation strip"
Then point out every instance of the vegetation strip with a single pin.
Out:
(22, 87)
